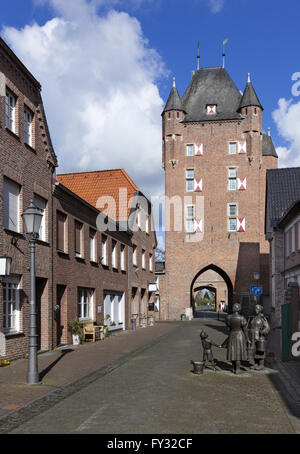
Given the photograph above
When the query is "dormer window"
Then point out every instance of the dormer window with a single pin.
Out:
(211, 109)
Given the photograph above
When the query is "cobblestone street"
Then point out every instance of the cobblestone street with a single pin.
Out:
(154, 391)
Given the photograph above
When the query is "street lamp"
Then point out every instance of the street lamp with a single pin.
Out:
(32, 219)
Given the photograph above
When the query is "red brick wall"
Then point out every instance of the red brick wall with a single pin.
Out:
(237, 254)
(31, 168)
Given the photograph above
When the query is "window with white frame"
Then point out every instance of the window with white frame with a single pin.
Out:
(150, 262)
(28, 116)
(143, 259)
(41, 203)
(92, 245)
(189, 218)
(134, 255)
(11, 304)
(190, 149)
(104, 250)
(85, 303)
(232, 214)
(10, 111)
(113, 253)
(232, 147)
(232, 179)
(122, 257)
(189, 179)
(11, 205)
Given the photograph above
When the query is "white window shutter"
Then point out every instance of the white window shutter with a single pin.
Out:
(242, 184)
(198, 226)
(197, 185)
(242, 147)
(198, 149)
(11, 205)
(241, 224)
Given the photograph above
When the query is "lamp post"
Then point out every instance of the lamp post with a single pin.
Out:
(32, 219)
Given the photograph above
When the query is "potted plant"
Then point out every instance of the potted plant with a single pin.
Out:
(106, 323)
(150, 320)
(75, 327)
(143, 320)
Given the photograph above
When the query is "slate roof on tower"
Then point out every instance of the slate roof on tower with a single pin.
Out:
(268, 148)
(250, 97)
(211, 86)
(174, 102)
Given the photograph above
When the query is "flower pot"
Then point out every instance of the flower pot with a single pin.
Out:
(198, 367)
(151, 320)
(143, 322)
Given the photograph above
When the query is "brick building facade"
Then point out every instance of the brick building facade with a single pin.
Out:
(27, 164)
(215, 157)
(78, 274)
(133, 238)
(283, 233)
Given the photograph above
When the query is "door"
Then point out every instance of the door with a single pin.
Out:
(60, 293)
(286, 335)
(41, 307)
(114, 307)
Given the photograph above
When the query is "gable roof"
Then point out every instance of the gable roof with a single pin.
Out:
(283, 190)
(211, 86)
(90, 186)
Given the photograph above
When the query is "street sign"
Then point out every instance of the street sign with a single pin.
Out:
(256, 290)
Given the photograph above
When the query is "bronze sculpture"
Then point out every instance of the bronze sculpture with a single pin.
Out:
(259, 329)
(238, 338)
(207, 344)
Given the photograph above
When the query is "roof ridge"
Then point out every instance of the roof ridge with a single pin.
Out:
(88, 171)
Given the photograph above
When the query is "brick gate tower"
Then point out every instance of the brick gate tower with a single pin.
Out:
(215, 157)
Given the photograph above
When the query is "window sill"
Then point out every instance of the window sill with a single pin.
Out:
(13, 233)
(94, 263)
(43, 242)
(30, 148)
(13, 334)
(80, 259)
(63, 254)
(13, 134)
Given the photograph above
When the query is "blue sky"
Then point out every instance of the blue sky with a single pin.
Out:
(122, 66)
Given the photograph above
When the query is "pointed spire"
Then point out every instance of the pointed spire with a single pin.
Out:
(249, 96)
(174, 101)
(198, 58)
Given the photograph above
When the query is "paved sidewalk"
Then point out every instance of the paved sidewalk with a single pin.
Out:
(70, 364)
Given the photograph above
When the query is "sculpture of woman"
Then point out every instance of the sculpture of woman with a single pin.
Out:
(236, 345)
(260, 328)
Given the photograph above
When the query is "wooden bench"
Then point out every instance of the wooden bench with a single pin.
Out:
(92, 332)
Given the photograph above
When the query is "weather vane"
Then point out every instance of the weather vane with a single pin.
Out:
(223, 54)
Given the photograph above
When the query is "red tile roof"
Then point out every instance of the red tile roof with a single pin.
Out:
(90, 186)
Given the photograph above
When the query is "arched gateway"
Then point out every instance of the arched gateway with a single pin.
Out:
(215, 279)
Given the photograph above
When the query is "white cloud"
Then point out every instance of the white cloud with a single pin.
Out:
(216, 5)
(99, 89)
(287, 119)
